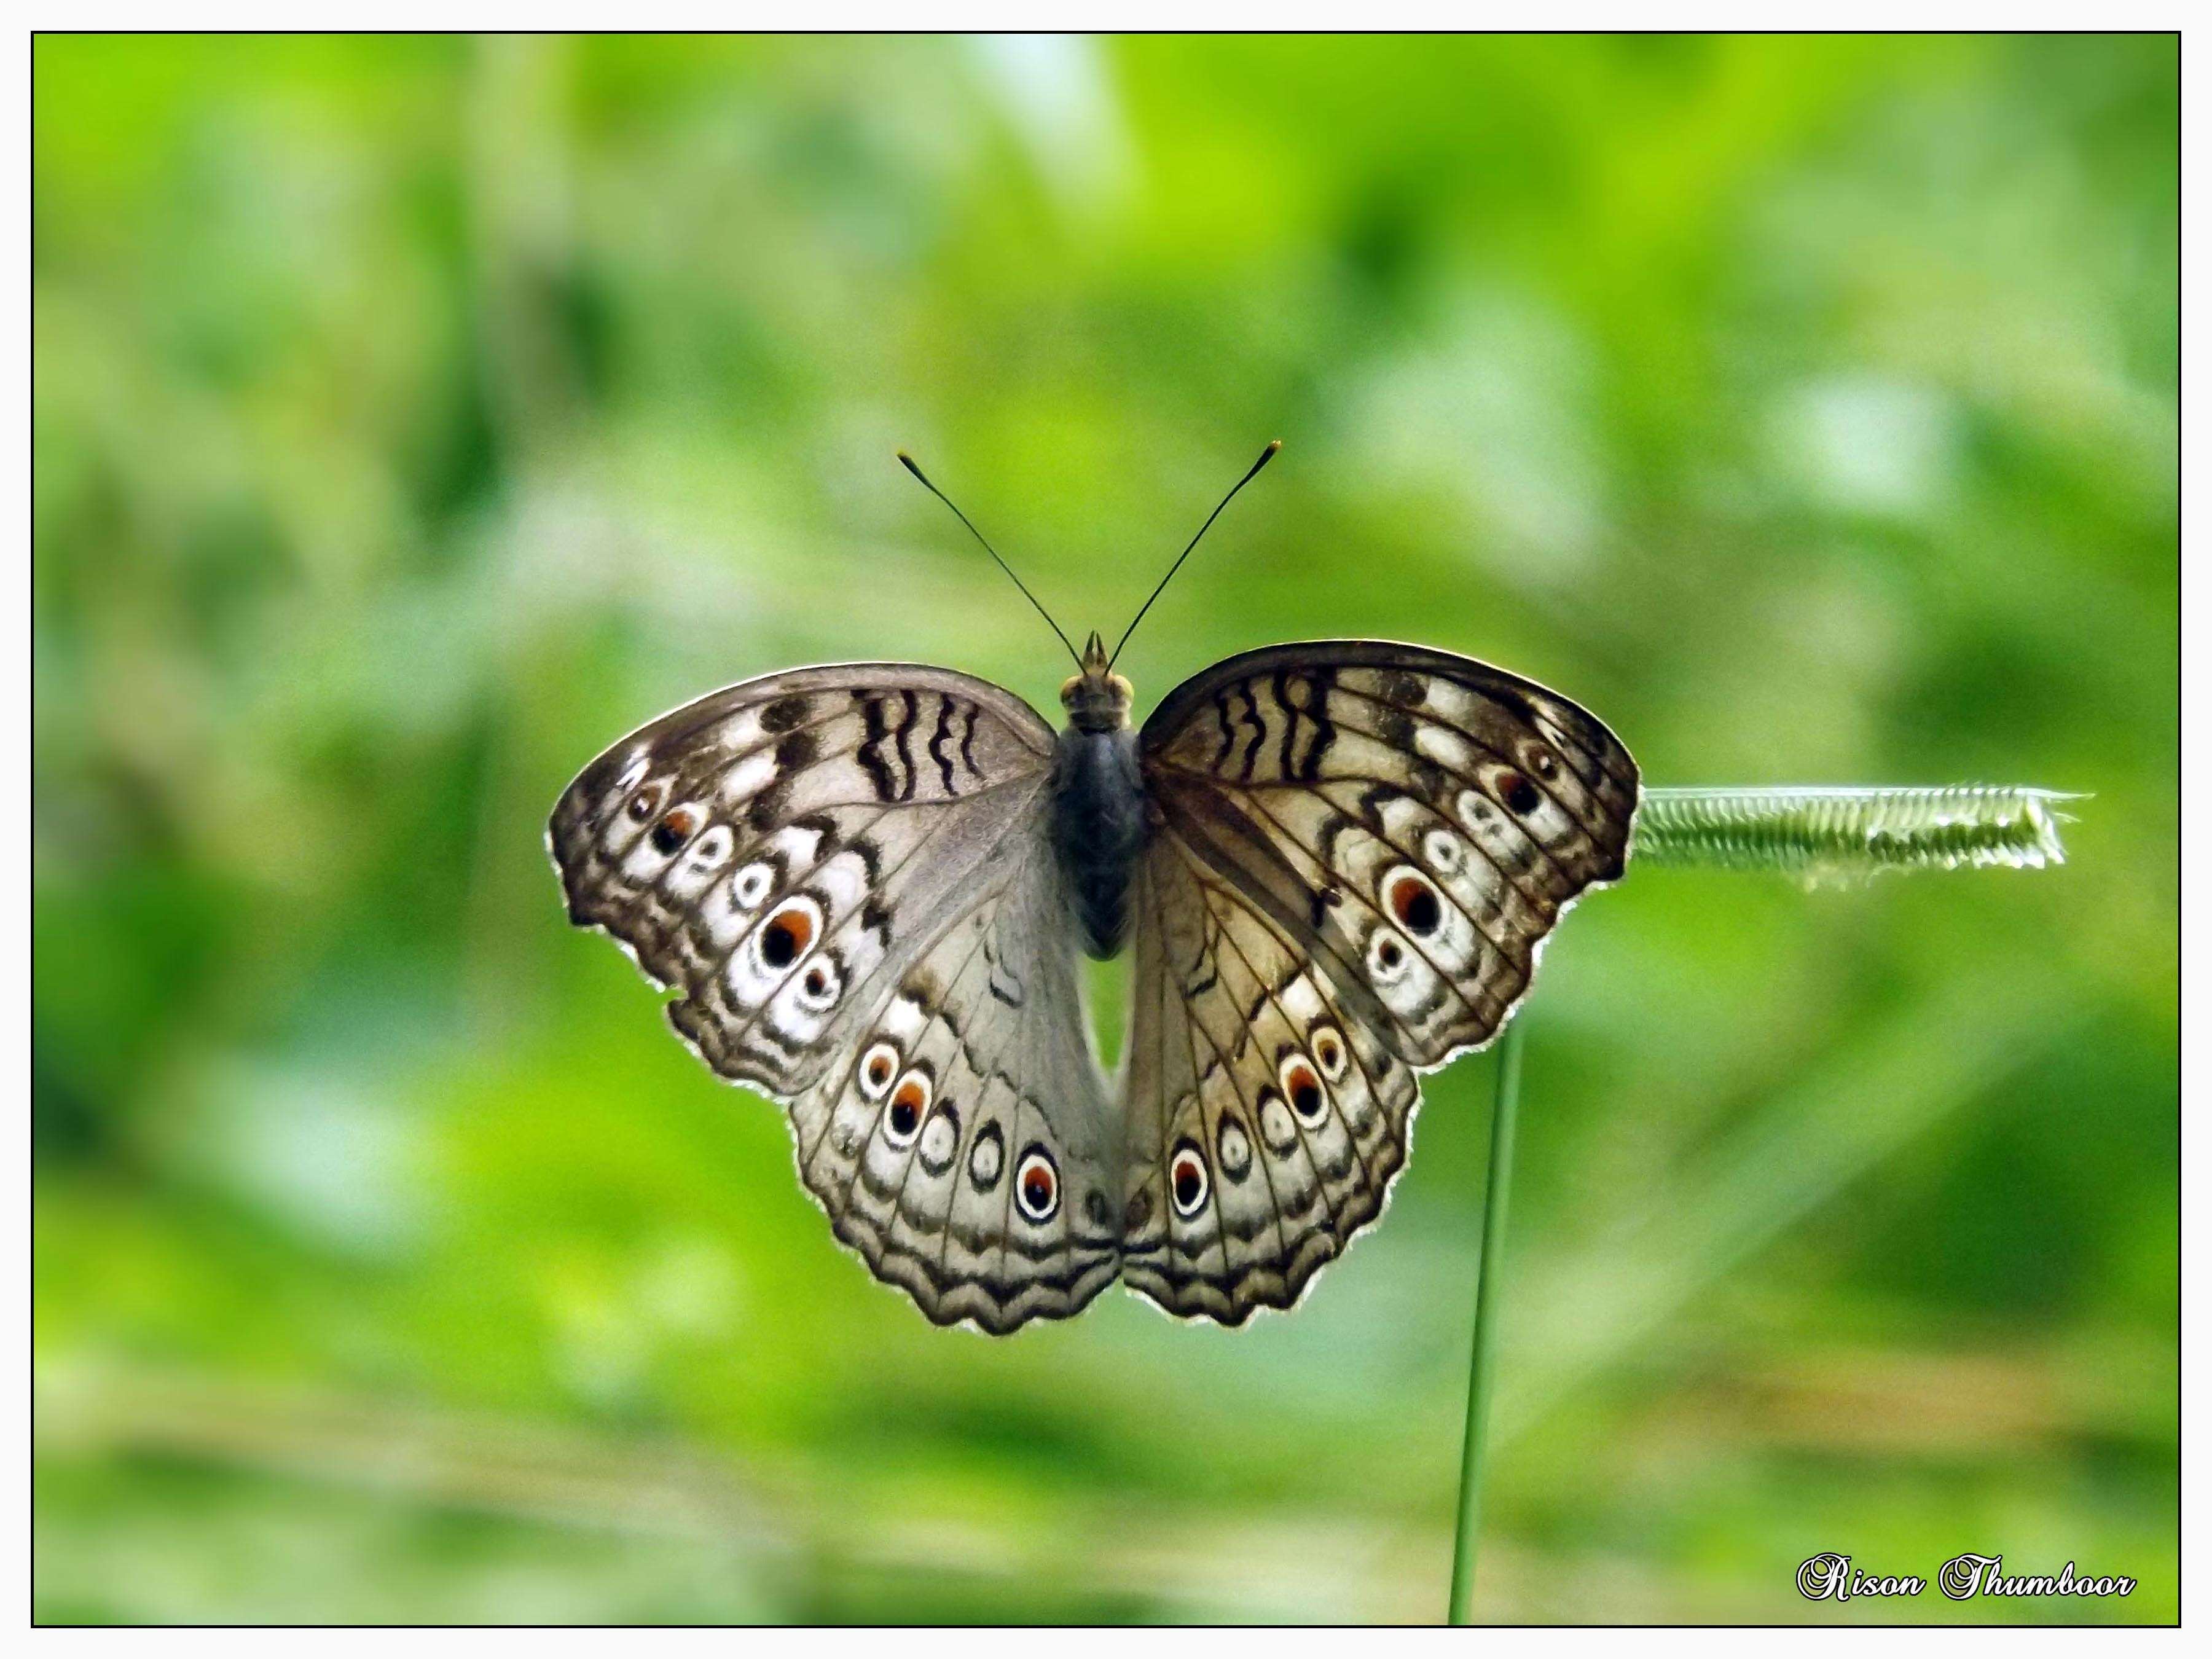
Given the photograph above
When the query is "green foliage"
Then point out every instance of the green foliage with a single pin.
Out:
(414, 417)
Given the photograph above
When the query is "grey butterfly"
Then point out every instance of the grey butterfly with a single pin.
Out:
(868, 886)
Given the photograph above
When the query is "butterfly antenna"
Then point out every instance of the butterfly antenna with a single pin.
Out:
(1266, 456)
(907, 461)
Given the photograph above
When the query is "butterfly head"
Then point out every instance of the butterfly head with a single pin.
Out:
(1097, 699)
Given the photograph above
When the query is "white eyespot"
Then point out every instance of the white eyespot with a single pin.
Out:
(1328, 1051)
(987, 1158)
(1445, 853)
(1474, 808)
(751, 884)
(878, 1068)
(1233, 1147)
(1189, 1183)
(1275, 1126)
(909, 1105)
(788, 934)
(940, 1140)
(712, 848)
(1036, 1186)
(1387, 956)
(821, 985)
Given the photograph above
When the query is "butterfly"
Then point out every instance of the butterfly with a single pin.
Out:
(869, 884)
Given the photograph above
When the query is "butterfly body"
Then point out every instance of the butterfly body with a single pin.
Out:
(871, 883)
(1098, 816)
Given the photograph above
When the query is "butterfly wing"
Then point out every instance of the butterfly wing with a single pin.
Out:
(838, 870)
(1358, 850)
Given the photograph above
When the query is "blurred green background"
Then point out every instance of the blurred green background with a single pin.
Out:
(415, 416)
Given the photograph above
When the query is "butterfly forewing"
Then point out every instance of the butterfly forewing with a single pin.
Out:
(837, 870)
(1358, 851)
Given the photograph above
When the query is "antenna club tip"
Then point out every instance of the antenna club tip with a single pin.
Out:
(1273, 444)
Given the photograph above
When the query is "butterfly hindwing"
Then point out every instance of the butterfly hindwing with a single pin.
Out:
(967, 1149)
(837, 865)
(1265, 1123)
(1358, 850)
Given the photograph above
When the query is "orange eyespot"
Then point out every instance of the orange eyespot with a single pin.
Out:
(876, 1068)
(1414, 902)
(1304, 1089)
(1519, 794)
(1328, 1049)
(1036, 1186)
(786, 935)
(674, 829)
(909, 1102)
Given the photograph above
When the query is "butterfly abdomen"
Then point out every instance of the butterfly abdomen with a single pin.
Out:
(1099, 830)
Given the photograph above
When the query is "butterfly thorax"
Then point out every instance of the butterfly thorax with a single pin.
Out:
(1099, 802)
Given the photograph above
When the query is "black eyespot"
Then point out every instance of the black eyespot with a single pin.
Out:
(1520, 794)
(1389, 953)
(1187, 1179)
(1305, 1094)
(903, 1121)
(673, 830)
(1413, 901)
(1036, 1186)
(786, 935)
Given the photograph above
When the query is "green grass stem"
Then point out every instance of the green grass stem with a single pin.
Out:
(1482, 1357)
